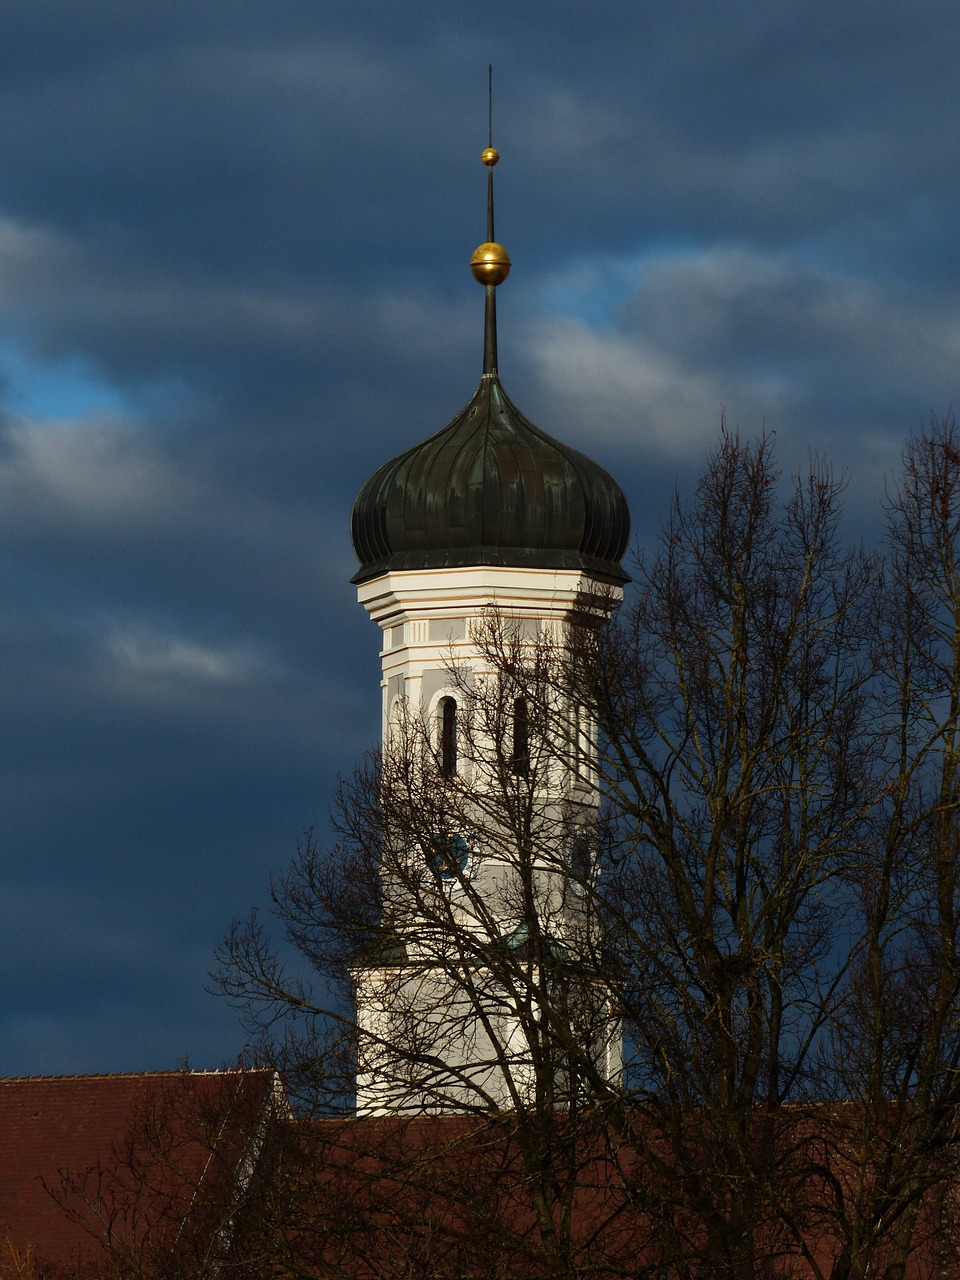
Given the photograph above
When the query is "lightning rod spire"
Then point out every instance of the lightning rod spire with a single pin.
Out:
(490, 263)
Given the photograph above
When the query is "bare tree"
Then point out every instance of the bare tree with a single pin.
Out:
(896, 1040)
(734, 709)
(712, 1024)
(466, 902)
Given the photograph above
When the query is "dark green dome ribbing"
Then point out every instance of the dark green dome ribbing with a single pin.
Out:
(490, 489)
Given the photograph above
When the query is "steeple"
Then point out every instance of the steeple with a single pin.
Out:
(491, 488)
(490, 517)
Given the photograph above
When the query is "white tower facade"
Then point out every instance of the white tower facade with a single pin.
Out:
(484, 552)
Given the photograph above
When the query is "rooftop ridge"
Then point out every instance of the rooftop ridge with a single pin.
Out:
(139, 1075)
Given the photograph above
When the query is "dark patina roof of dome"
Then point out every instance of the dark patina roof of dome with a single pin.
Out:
(490, 489)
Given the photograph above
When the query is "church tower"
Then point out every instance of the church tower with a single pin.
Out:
(485, 551)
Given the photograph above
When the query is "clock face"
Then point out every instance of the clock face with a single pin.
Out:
(447, 856)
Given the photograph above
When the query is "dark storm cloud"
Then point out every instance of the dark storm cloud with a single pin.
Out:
(242, 230)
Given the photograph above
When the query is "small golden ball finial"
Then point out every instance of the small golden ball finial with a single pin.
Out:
(490, 263)
(490, 156)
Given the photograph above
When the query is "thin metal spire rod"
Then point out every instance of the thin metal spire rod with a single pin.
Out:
(490, 309)
(490, 332)
(490, 263)
(490, 235)
(489, 104)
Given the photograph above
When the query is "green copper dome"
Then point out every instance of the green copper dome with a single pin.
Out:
(490, 489)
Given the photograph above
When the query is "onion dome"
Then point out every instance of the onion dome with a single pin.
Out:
(490, 488)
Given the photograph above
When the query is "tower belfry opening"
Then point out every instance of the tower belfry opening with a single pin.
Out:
(478, 549)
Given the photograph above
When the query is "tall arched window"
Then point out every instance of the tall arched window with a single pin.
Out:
(521, 737)
(580, 743)
(580, 859)
(448, 737)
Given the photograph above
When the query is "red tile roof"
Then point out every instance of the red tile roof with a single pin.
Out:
(155, 1164)
(72, 1139)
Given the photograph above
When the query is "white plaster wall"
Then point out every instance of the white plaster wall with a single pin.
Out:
(427, 1045)
(428, 619)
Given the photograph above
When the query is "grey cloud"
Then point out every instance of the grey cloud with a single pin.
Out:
(797, 344)
(252, 225)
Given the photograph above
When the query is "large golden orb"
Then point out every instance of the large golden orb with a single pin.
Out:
(490, 155)
(490, 263)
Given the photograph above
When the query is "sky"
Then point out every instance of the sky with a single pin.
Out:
(234, 240)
